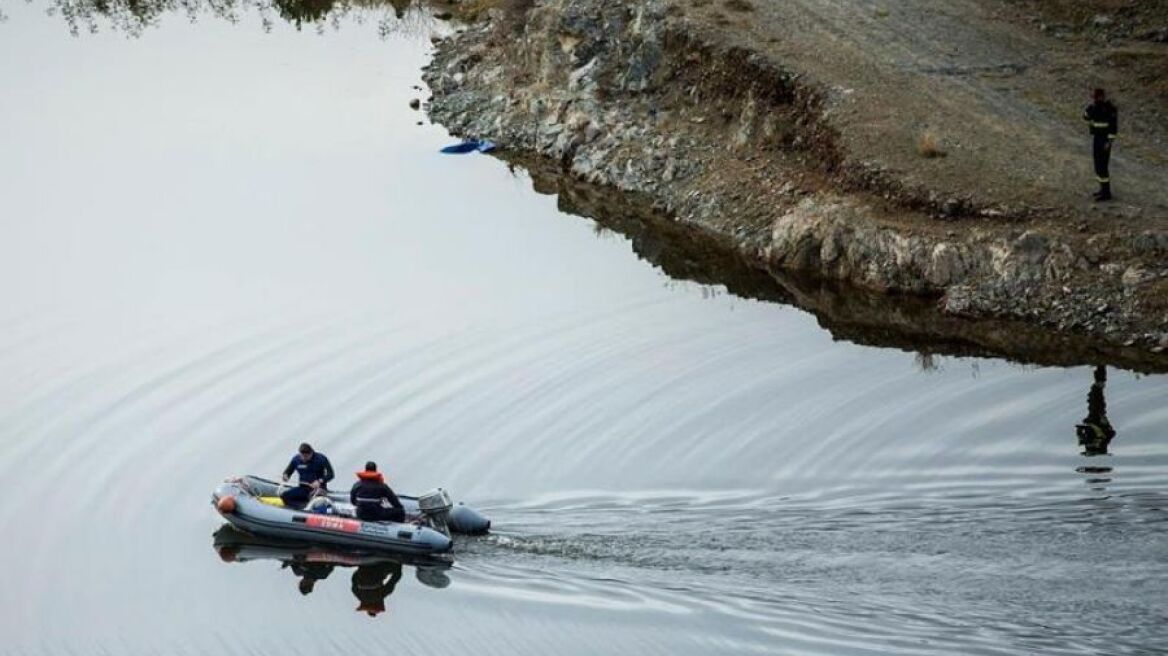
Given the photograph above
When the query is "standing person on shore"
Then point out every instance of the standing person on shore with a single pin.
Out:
(1103, 121)
(313, 470)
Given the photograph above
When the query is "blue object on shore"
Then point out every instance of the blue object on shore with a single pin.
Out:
(470, 146)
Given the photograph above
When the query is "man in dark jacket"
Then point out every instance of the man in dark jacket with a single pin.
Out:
(1103, 121)
(314, 472)
(373, 499)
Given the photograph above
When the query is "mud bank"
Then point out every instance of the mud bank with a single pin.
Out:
(731, 144)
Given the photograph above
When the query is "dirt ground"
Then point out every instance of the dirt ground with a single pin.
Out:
(999, 85)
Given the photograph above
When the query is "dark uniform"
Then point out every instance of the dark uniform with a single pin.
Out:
(1103, 120)
(367, 496)
(316, 468)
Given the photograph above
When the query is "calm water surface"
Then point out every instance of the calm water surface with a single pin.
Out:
(218, 240)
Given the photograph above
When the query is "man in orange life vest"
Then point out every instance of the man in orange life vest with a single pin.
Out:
(373, 499)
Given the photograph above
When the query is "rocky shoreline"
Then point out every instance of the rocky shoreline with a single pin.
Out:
(727, 143)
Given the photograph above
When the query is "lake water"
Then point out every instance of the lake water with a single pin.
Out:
(219, 238)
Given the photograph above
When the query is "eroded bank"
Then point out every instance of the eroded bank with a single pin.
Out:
(731, 144)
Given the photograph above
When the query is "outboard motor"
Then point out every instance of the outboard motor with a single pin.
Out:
(435, 506)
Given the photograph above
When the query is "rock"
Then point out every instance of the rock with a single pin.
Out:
(1031, 248)
(1102, 20)
(952, 207)
(443, 15)
(1150, 243)
(832, 246)
(945, 265)
(1135, 276)
(581, 77)
(1159, 35)
(415, 104)
(958, 300)
(1092, 251)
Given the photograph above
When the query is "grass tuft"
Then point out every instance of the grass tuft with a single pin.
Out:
(929, 146)
(471, 10)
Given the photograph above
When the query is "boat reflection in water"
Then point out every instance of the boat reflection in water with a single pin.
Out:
(374, 577)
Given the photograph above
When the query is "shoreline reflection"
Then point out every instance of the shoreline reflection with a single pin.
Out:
(134, 17)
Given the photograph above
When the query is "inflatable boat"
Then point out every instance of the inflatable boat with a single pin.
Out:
(252, 504)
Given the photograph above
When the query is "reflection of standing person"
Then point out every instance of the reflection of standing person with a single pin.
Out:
(1095, 432)
(370, 587)
(309, 573)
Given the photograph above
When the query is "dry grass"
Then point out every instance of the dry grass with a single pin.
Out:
(1146, 64)
(1140, 15)
(739, 5)
(929, 146)
(471, 10)
(1155, 296)
(511, 16)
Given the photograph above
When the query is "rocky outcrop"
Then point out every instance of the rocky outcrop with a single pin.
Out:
(729, 143)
